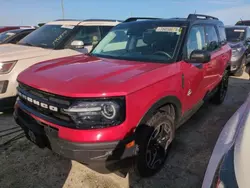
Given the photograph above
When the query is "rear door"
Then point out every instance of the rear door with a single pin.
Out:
(211, 69)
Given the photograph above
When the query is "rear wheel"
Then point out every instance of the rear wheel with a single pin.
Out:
(154, 139)
(220, 95)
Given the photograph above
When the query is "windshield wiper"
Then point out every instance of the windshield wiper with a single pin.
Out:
(26, 44)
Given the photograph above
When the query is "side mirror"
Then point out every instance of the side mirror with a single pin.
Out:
(200, 56)
(77, 44)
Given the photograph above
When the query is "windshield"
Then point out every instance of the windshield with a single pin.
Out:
(47, 36)
(140, 41)
(6, 35)
(235, 34)
(247, 23)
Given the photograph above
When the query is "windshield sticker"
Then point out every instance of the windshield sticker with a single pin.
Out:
(239, 30)
(59, 37)
(169, 29)
(68, 26)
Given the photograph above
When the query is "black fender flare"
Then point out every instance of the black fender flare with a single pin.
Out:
(160, 103)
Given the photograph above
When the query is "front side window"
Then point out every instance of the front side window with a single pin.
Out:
(196, 40)
(87, 34)
(235, 34)
(140, 41)
(47, 36)
(212, 38)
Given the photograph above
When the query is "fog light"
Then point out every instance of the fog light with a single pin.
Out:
(3, 86)
(233, 67)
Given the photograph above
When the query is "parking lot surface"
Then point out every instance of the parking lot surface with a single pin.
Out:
(22, 164)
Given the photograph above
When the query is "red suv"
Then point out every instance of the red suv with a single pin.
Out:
(127, 97)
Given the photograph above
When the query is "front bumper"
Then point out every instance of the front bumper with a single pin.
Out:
(236, 63)
(104, 154)
(7, 103)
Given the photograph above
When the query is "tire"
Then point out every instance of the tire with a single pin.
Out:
(154, 139)
(240, 71)
(220, 94)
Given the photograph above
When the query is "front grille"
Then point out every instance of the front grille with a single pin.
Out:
(49, 100)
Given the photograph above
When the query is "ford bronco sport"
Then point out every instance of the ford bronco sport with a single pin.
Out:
(127, 97)
(55, 39)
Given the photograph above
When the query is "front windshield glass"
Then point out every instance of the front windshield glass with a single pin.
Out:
(47, 36)
(6, 35)
(235, 34)
(140, 41)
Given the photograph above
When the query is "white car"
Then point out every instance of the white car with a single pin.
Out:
(53, 40)
(229, 163)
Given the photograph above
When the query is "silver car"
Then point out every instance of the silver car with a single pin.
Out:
(229, 165)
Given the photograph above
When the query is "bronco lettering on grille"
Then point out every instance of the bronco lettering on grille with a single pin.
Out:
(38, 103)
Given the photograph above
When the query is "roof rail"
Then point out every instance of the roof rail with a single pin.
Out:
(200, 16)
(107, 20)
(132, 19)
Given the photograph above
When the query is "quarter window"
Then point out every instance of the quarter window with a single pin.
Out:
(105, 30)
(212, 38)
(196, 40)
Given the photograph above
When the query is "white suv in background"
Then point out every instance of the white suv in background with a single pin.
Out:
(55, 39)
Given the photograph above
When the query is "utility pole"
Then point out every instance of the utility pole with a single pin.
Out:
(62, 4)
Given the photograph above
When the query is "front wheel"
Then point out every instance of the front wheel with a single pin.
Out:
(154, 142)
(220, 94)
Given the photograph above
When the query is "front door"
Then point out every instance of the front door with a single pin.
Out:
(194, 73)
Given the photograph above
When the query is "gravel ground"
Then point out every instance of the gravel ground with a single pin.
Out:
(22, 164)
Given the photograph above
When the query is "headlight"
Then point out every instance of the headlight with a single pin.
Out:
(95, 114)
(236, 50)
(7, 66)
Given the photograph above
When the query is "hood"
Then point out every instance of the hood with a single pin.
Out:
(9, 52)
(235, 44)
(86, 76)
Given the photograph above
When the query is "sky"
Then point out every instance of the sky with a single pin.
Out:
(32, 12)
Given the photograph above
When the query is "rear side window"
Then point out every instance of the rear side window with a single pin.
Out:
(222, 34)
(196, 40)
(212, 38)
(105, 30)
(248, 33)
